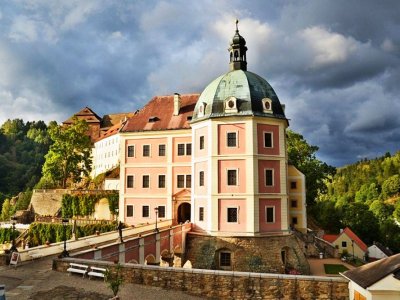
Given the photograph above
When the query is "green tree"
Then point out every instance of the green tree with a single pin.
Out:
(302, 156)
(69, 155)
(391, 186)
(6, 210)
(381, 210)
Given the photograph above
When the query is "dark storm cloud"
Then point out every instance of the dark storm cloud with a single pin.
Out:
(334, 63)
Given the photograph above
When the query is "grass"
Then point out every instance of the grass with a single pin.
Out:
(334, 269)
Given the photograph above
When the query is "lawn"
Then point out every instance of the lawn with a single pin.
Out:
(334, 269)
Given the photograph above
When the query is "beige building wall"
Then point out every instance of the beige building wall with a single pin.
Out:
(344, 242)
(296, 183)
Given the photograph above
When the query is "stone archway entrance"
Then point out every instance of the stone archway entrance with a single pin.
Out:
(183, 212)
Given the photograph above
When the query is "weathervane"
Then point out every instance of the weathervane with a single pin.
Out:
(237, 21)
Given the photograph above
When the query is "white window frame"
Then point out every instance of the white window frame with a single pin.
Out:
(133, 211)
(143, 181)
(237, 214)
(236, 139)
(165, 150)
(133, 181)
(274, 214)
(272, 139)
(265, 177)
(148, 217)
(237, 177)
(158, 181)
(184, 149)
(149, 150)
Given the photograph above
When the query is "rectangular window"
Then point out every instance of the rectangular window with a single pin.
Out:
(145, 211)
(231, 139)
(232, 177)
(181, 149)
(201, 142)
(344, 244)
(232, 214)
(270, 214)
(146, 150)
(129, 210)
(293, 203)
(293, 185)
(161, 211)
(161, 150)
(201, 213)
(129, 181)
(201, 178)
(188, 181)
(146, 181)
(269, 177)
(225, 259)
(181, 181)
(161, 181)
(267, 139)
(131, 151)
(189, 149)
(294, 220)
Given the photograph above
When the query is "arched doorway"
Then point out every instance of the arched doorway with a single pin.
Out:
(184, 212)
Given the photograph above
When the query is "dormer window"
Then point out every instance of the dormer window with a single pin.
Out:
(153, 119)
(267, 105)
(202, 109)
(231, 105)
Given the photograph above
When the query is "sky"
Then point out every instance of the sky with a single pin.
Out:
(334, 64)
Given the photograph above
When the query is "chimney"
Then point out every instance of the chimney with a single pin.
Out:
(177, 104)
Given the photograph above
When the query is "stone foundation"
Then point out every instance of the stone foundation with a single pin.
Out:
(264, 254)
(226, 284)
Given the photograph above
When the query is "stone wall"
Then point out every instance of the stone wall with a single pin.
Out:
(47, 202)
(226, 284)
(268, 254)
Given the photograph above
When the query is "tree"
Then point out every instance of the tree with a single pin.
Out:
(302, 156)
(69, 155)
(391, 186)
(5, 210)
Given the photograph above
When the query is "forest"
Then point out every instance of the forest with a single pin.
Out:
(364, 196)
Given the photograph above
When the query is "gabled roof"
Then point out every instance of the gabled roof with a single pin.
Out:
(368, 274)
(330, 237)
(86, 114)
(384, 249)
(355, 238)
(160, 109)
(110, 132)
(113, 119)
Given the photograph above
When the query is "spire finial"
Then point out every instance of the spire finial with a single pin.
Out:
(237, 22)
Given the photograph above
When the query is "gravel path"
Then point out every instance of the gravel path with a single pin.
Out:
(36, 280)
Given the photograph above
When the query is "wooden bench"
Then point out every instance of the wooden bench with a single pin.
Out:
(78, 268)
(34, 254)
(97, 272)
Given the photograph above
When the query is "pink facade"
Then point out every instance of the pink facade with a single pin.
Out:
(273, 130)
(237, 224)
(176, 156)
(138, 178)
(237, 130)
(274, 206)
(186, 172)
(263, 167)
(224, 166)
(153, 146)
(137, 207)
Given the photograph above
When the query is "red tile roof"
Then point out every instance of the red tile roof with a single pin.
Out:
(330, 237)
(355, 238)
(110, 132)
(86, 114)
(160, 109)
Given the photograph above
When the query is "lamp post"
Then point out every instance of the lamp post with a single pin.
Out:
(156, 211)
(65, 253)
(13, 246)
(352, 246)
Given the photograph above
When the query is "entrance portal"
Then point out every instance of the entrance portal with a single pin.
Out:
(184, 212)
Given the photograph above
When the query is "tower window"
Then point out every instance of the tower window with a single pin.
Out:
(201, 213)
(131, 151)
(232, 214)
(201, 178)
(201, 142)
(269, 177)
(231, 139)
(270, 214)
(232, 177)
(267, 139)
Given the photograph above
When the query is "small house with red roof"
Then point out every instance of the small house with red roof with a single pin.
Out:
(347, 242)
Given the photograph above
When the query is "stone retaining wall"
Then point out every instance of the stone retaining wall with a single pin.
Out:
(226, 284)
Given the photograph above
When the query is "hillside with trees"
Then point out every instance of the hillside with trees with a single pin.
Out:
(364, 196)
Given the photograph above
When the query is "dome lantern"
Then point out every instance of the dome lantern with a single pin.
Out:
(237, 52)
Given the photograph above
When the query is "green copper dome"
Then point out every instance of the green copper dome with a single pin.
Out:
(238, 92)
(252, 95)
